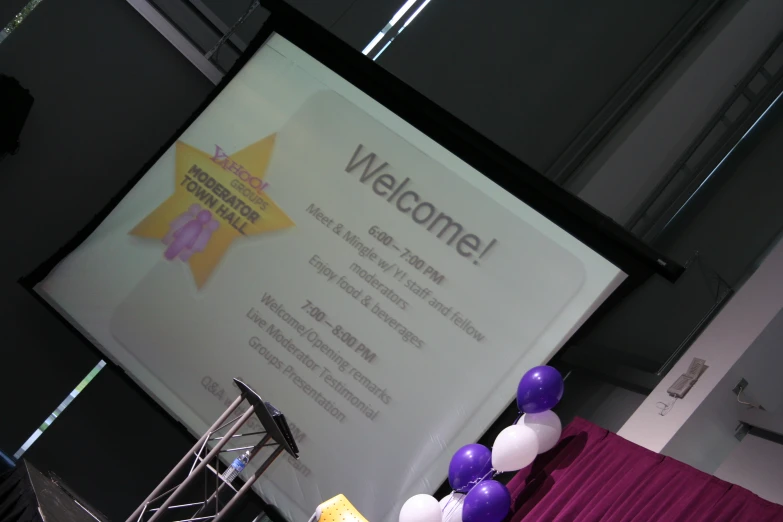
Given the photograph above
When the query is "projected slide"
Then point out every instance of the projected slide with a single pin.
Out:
(380, 292)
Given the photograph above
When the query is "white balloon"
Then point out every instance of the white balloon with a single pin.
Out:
(515, 448)
(547, 427)
(420, 508)
(451, 507)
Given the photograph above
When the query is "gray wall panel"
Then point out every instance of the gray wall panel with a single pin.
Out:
(109, 90)
(9, 9)
(529, 75)
(359, 24)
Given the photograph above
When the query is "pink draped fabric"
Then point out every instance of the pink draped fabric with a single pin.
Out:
(593, 475)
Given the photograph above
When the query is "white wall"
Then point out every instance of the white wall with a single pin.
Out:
(756, 464)
(707, 439)
(722, 344)
(618, 178)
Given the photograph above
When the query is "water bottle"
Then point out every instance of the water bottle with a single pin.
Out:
(236, 467)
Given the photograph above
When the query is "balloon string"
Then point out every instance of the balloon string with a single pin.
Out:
(473, 483)
(518, 417)
(451, 497)
(492, 472)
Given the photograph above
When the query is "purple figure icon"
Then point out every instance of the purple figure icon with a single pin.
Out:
(189, 233)
(180, 221)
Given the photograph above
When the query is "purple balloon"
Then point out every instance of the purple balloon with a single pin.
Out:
(469, 464)
(487, 502)
(540, 389)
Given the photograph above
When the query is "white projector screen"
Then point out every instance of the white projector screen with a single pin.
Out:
(379, 291)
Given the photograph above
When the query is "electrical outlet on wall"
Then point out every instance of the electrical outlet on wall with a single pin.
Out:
(740, 391)
(685, 382)
(742, 385)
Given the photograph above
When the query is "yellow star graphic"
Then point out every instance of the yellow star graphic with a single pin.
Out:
(217, 198)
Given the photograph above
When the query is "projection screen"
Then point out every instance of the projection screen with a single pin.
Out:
(378, 290)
